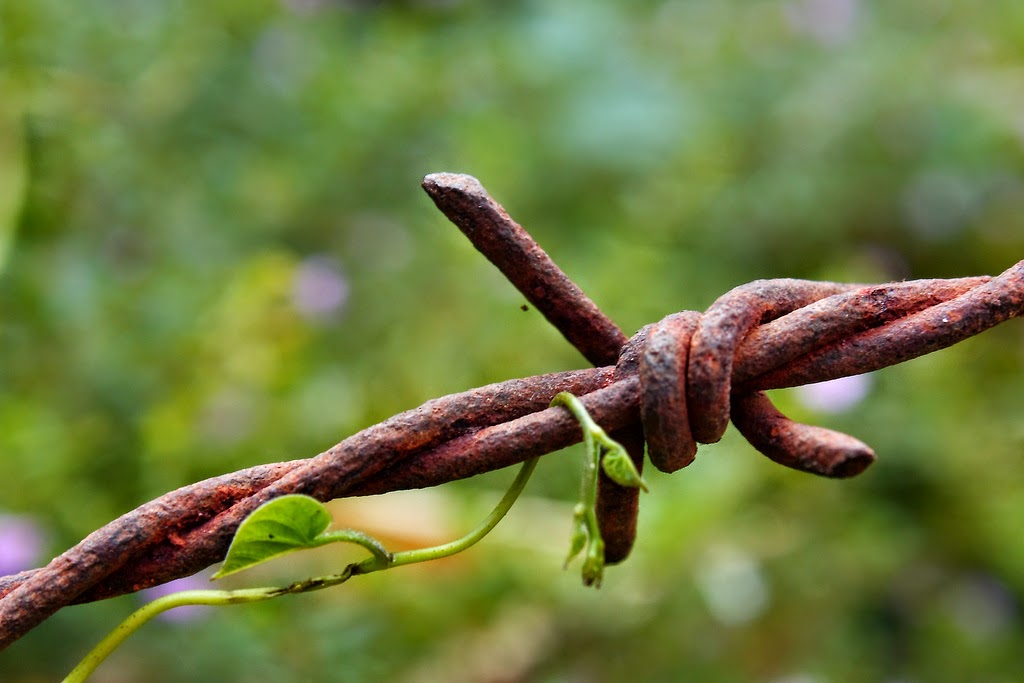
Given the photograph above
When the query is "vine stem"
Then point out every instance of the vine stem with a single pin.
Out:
(602, 454)
(485, 527)
(489, 428)
(147, 612)
(377, 562)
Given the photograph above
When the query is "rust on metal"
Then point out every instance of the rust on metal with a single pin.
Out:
(663, 412)
(618, 507)
(520, 259)
(673, 384)
(776, 342)
(802, 447)
(931, 329)
(721, 330)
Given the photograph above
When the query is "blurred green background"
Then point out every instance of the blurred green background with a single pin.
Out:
(214, 253)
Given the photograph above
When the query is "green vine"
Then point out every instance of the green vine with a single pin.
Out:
(279, 526)
(611, 456)
(297, 522)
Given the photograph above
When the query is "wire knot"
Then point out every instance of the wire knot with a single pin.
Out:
(698, 371)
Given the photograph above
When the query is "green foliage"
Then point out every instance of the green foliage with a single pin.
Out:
(174, 175)
(279, 526)
(601, 452)
(285, 524)
(617, 464)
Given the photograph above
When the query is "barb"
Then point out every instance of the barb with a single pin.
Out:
(521, 260)
(526, 265)
(675, 383)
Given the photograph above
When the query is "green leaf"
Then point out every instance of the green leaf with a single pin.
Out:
(593, 563)
(279, 526)
(620, 468)
(580, 533)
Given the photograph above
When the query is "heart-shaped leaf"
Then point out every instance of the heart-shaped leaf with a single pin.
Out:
(279, 526)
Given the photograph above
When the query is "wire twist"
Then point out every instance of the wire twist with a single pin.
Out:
(690, 361)
(674, 384)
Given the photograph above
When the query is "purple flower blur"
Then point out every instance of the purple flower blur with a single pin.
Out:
(21, 544)
(320, 288)
(830, 22)
(188, 613)
(835, 396)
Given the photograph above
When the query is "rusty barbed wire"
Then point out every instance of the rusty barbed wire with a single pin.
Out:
(674, 384)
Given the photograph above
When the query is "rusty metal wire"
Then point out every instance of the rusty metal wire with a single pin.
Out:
(674, 384)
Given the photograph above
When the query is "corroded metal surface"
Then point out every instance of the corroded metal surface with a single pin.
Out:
(521, 260)
(675, 383)
(663, 406)
(803, 447)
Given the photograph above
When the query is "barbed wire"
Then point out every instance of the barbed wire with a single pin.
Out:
(674, 384)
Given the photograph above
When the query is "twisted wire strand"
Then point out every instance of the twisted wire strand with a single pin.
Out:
(674, 384)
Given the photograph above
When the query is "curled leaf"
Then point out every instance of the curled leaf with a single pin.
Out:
(580, 535)
(620, 468)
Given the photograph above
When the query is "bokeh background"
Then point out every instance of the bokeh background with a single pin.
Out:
(214, 253)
